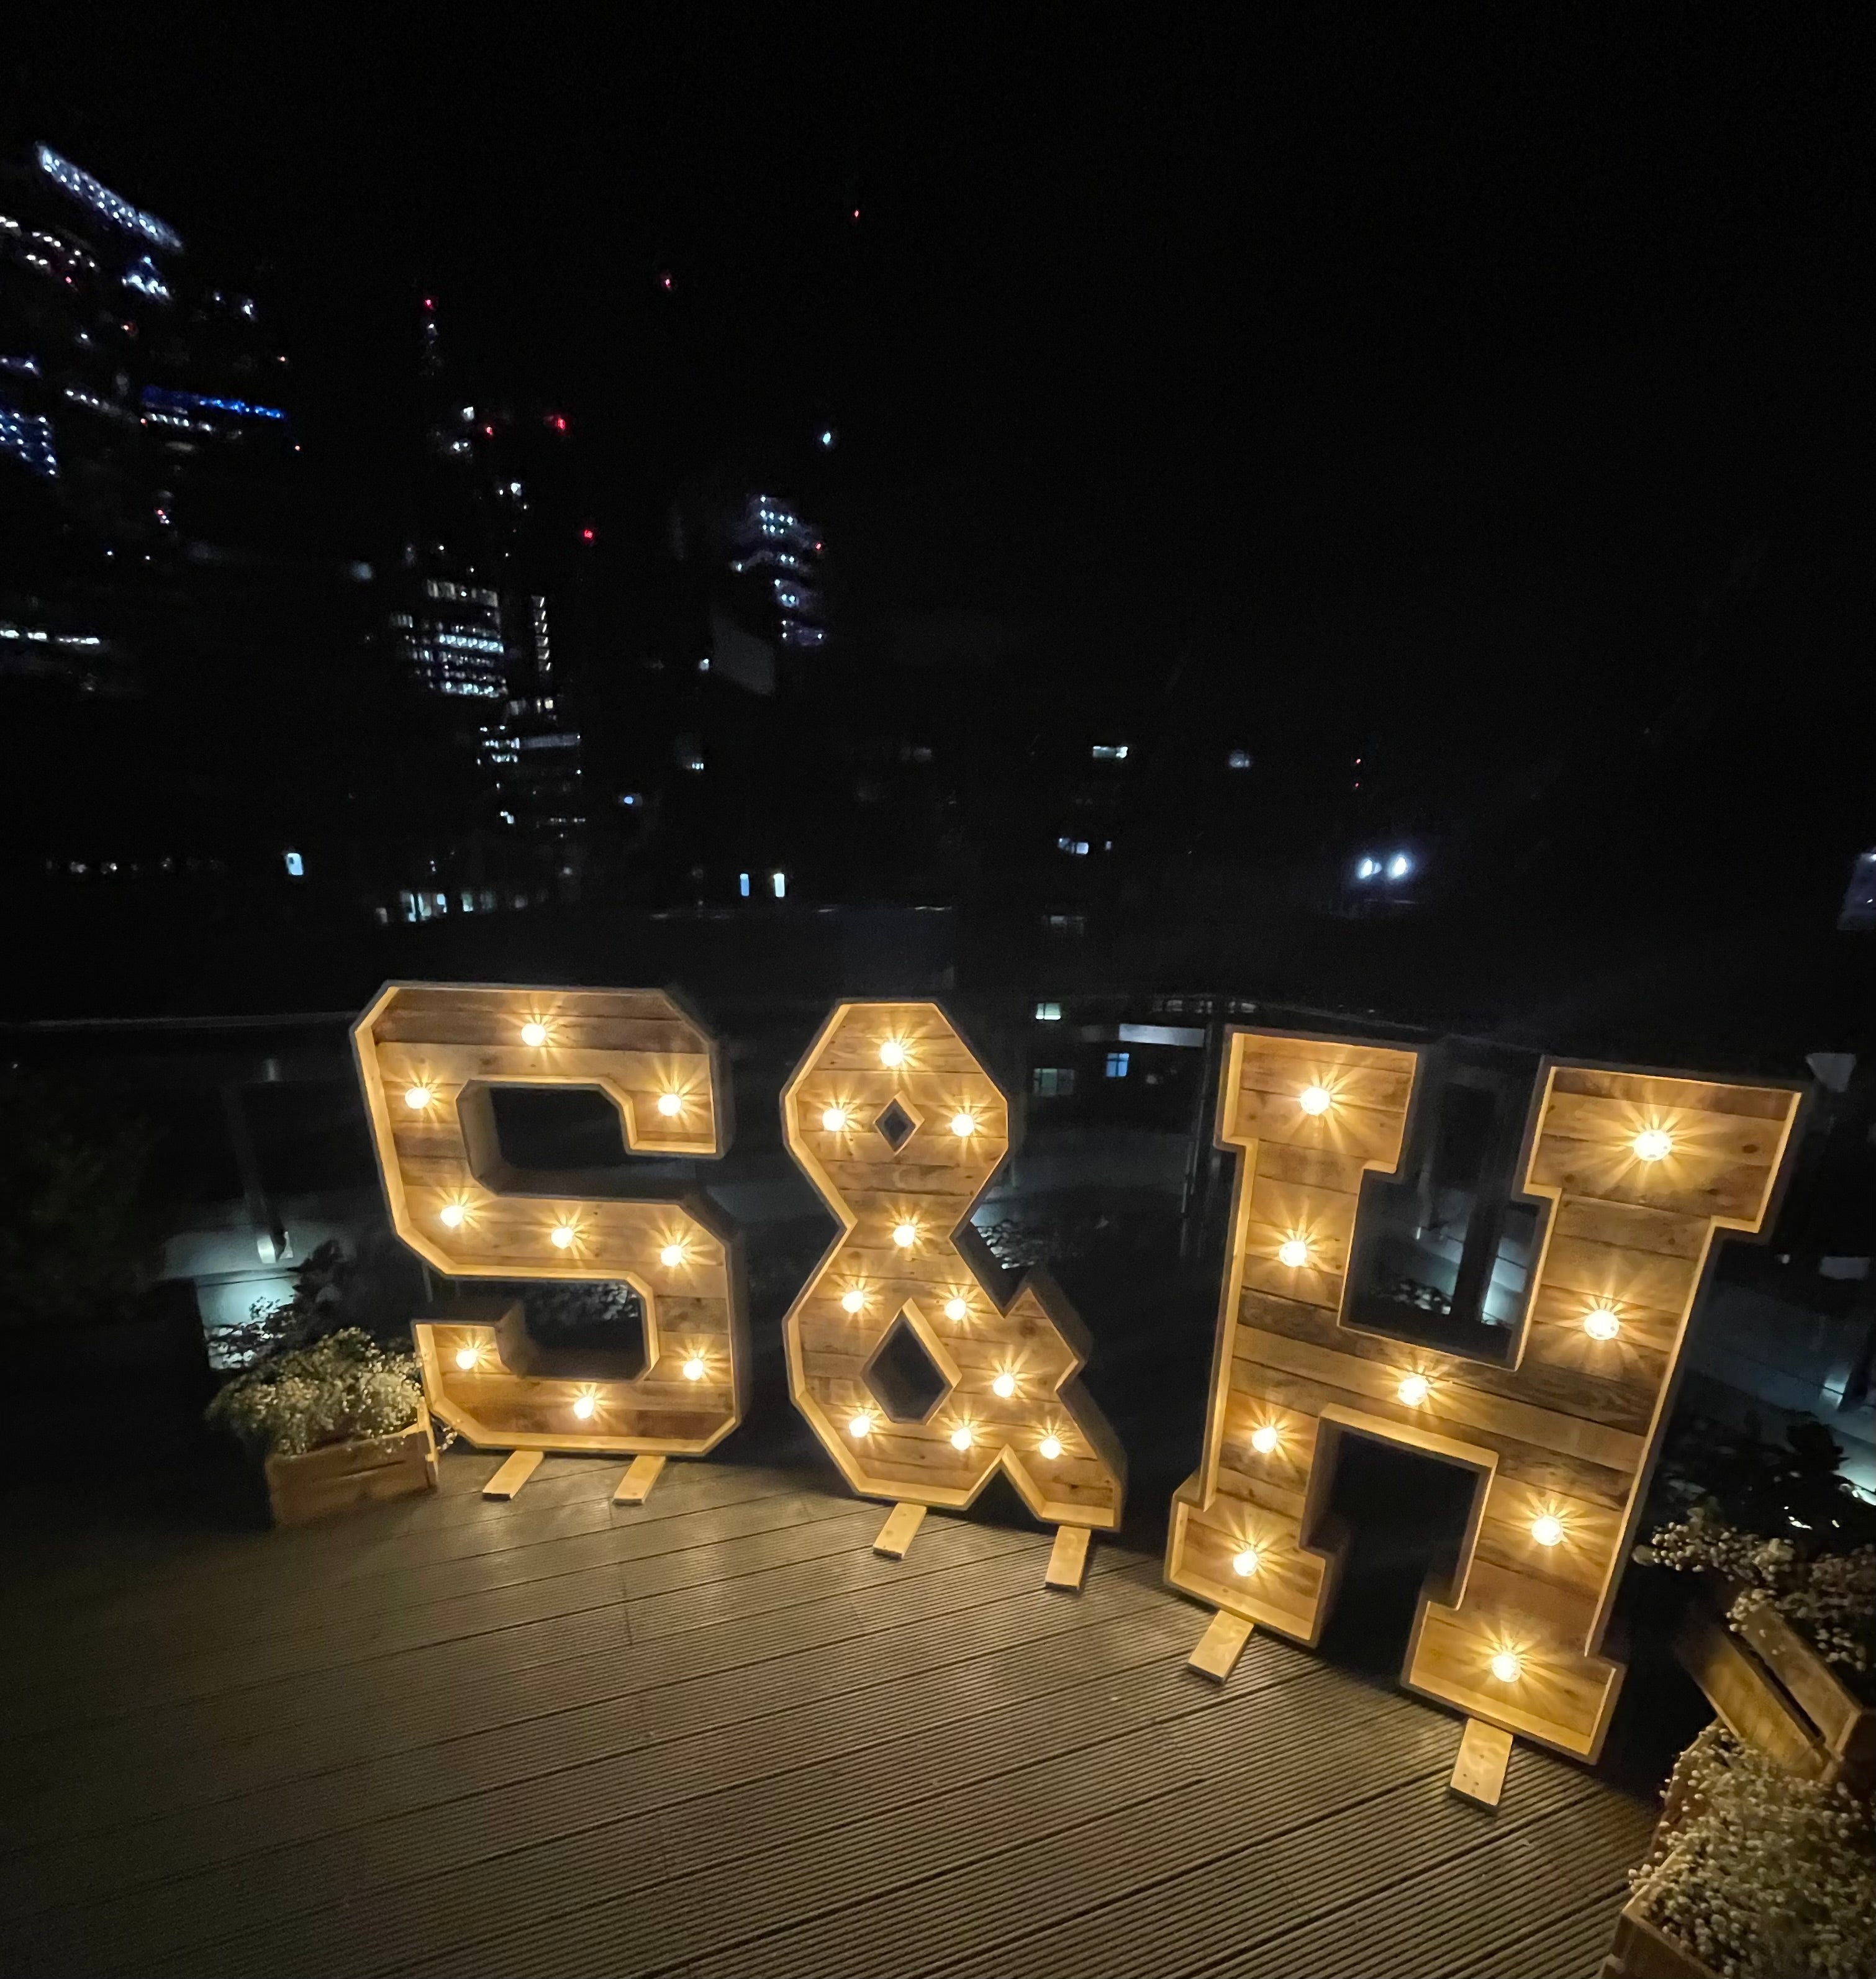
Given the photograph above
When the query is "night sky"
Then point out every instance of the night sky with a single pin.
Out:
(1456, 370)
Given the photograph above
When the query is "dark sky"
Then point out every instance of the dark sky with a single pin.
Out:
(1337, 324)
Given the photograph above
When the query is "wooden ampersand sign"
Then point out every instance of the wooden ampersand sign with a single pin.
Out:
(1631, 1175)
(900, 1128)
(429, 1056)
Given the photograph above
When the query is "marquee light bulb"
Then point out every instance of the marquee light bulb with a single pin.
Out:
(450, 1216)
(1245, 1563)
(418, 1097)
(1653, 1144)
(670, 1104)
(1414, 1390)
(584, 1407)
(671, 1256)
(694, 1369)
(1051, 1447)
(852, 1301)
(961, 1436)
(1507, 1666)
(561, 1235)
(467, 1358)
(1004, 1385)
(1264, 1440)
(534, 1035)
(892, 1052)
(905, 1236)
(1315, 1099)
(957, 1309)
(1547, 1530)
(860, 1425)
(834, 1119)
(1294, 1252)
(1602, 1323)
(964, 1124)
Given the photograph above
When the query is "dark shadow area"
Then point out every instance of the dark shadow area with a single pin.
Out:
(1405, 1515)
(902, 1375)
(545, 1129)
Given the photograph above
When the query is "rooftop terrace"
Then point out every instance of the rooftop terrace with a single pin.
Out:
(717, 1734)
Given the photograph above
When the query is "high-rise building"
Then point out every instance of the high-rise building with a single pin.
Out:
(169, 577)
(771, 545)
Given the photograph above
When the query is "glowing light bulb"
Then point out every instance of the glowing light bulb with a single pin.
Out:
(670, 1104)
(834, 1119)
(534, 1034)
(1247, 1562)
(1653, 1144)
(1414, 1390)
(450, 1216)
(860, 1425)
(694, 1369)
(852, 1301)
(961, 1436)
(892, 1052)
(584, 1407)
(1004, 1385)
(1051, 1447)
(418, 1097)
(1507, 1666)
(905, 1236)
(1548, 1530)
(956, 1309)
(1264, 1440)
(964, 1124)
(671, 1256)
(1602, 1323)
(560, 1236)
(467, 1358)
(1294, 1252)
(1315, 1099)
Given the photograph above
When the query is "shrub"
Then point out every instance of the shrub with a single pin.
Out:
(1828, 1597)
(79, 1237)
(1759, 1874)
(342, 1387)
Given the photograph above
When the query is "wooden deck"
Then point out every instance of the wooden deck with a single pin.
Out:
(717, 1734)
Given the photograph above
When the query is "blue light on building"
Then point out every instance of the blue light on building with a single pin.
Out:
(192, 401)
(28, 438)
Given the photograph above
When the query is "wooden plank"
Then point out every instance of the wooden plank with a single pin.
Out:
(521, 1464)
(1220, 1646)
(1068, 1558)
(641, 1474)
(901, 1527)
(1479, 1771)
(1742, 1691)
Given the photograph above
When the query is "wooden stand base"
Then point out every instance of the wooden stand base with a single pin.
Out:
(521, 1465)
(641, 1474)
(1479, 1771)
(1220, 1646)
(1068, 1558)
(902, 1524)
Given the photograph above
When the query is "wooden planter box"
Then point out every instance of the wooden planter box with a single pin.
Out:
(341, 1476)
(1771, 1688)
(1643, 1950)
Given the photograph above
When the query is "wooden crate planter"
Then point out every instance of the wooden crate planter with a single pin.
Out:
(1643, 1950)
(1771, 1688)
(341, 1476)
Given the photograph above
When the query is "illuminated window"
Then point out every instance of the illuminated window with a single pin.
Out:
(1238, 759)
(1052, 1081)
(1049, 1013)
(1109, 752)
(1117, 1064)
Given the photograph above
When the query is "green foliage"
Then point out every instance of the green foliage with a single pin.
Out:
(332, 1289)
(1762, 1875)
(342, 1387)
(80, 1236)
